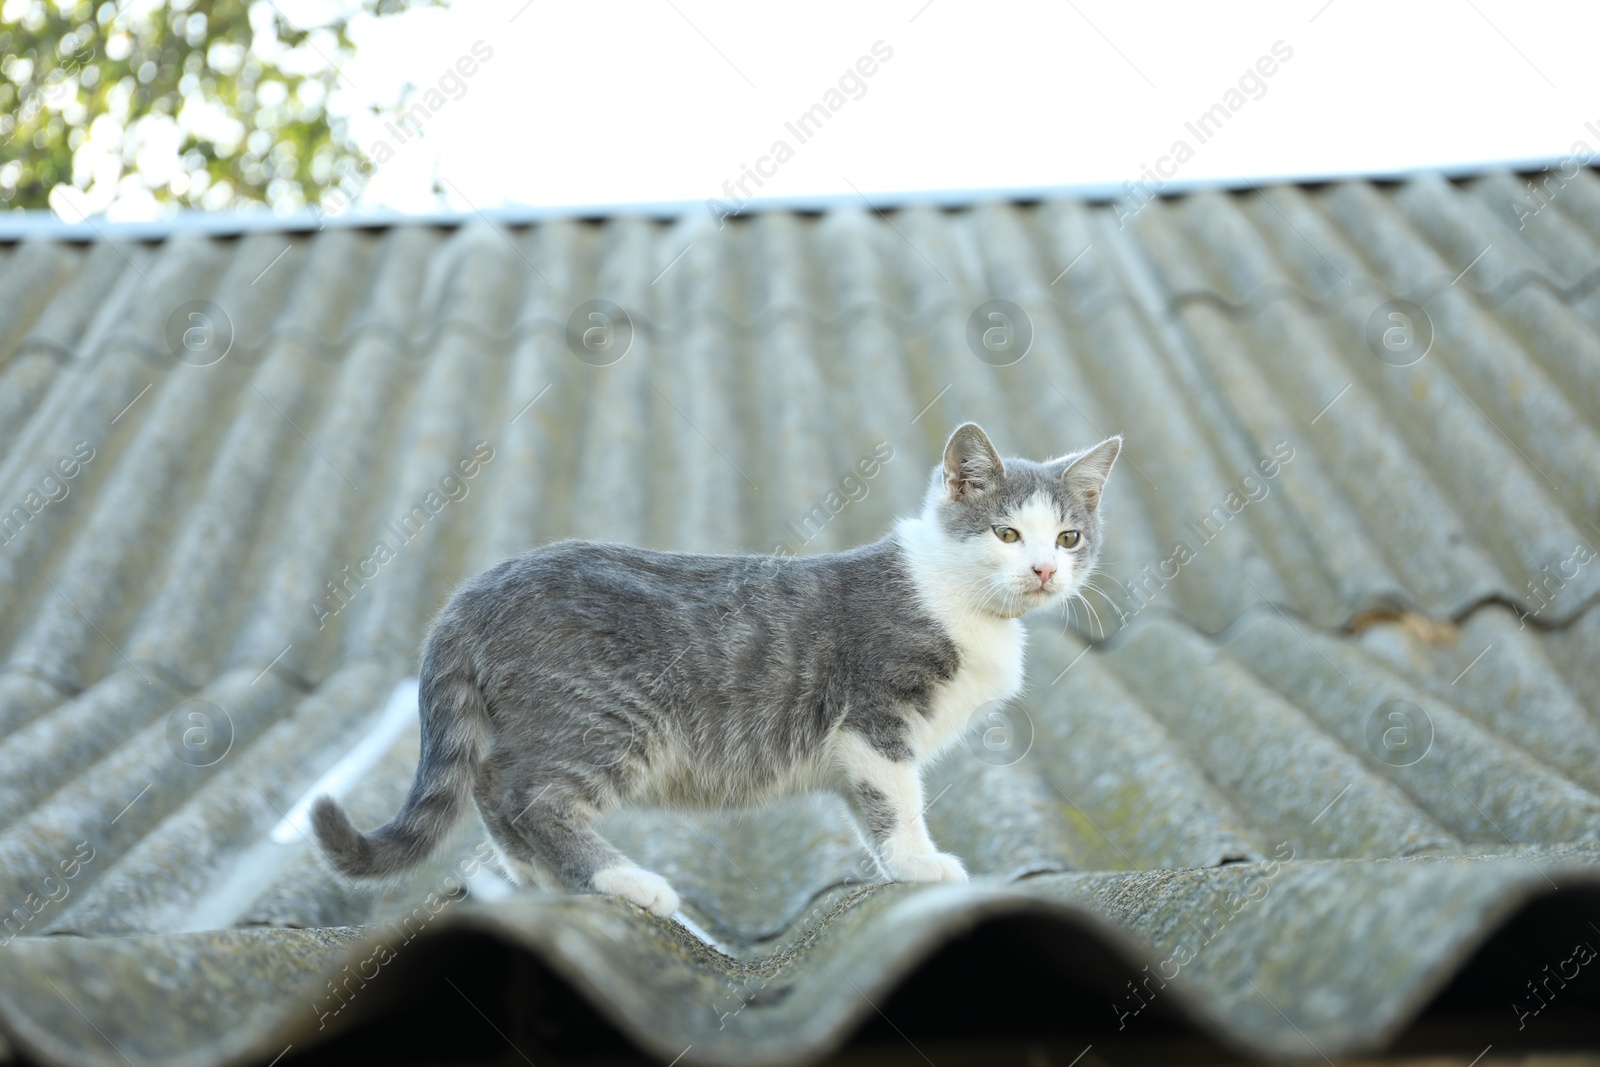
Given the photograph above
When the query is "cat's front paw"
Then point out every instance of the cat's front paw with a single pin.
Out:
(926, 867)
(635, 884)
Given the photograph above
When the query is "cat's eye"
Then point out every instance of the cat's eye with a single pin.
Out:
(1007, 534)
(1068, 538)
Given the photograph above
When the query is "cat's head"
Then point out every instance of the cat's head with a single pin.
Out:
(1020, 534)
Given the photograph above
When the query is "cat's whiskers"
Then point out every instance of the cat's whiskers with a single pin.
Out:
(1090, 585)
(1008, 596)
(1068, 618)
(969, 589)
(1096, 614)
(997, 588)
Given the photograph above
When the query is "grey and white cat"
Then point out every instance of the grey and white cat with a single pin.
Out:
(581, 676)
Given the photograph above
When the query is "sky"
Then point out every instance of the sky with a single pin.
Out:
(678, 100)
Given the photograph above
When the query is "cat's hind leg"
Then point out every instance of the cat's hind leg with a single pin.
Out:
(546, 834)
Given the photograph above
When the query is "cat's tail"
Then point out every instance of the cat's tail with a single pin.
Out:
(455, 730)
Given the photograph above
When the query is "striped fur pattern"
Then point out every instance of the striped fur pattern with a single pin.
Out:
(581, 676)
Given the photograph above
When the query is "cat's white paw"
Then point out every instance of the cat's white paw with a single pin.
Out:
(926, 867)
(645, 888)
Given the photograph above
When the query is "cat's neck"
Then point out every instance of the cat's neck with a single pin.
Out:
(937, 571)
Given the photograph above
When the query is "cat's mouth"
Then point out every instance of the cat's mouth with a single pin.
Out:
(1025, 600)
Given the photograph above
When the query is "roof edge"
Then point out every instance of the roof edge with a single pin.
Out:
(19, 225)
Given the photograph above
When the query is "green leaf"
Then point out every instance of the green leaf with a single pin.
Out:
(58, 76)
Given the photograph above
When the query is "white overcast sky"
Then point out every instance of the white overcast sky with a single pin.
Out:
(665, 100)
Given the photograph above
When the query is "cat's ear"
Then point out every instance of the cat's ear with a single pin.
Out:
(970, 461)
(1086, 476)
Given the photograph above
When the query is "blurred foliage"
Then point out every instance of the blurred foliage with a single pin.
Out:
(205, 103)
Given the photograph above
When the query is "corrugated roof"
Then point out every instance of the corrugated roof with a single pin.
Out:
(1332, 725)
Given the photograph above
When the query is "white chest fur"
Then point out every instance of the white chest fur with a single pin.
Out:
(991, 670)
(990, 647)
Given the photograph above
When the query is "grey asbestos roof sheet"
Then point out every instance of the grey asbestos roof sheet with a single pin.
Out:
(1332, 723)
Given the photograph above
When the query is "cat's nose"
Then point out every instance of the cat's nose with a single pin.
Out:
(1045, 572)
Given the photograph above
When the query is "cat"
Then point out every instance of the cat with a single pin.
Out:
(581, 676)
